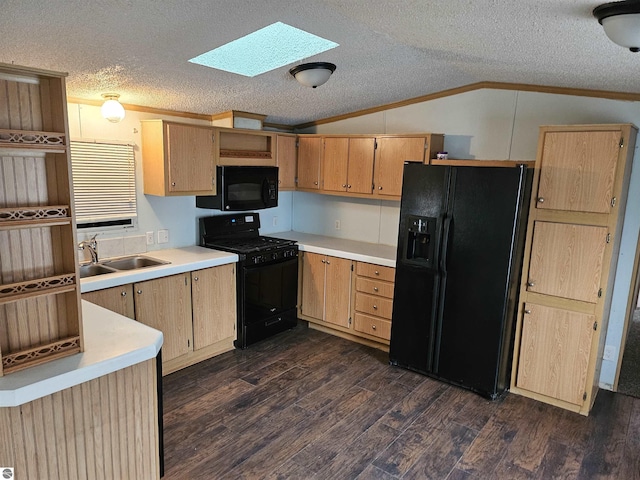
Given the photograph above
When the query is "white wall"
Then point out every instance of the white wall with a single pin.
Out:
(176, 214)
(482, 124)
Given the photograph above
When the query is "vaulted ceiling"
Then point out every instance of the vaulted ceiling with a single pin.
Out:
(389, 50)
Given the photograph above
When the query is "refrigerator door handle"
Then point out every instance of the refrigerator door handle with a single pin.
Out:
(445, 243)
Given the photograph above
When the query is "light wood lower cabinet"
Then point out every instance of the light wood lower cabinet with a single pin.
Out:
(196, 312)
(117, 299)
(213, 293)
(165, 304)
(357, 307)
(373, 300)
(325, 289)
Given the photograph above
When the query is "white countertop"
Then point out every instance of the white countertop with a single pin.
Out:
(112, 342)
(376, 253)
(182, 260)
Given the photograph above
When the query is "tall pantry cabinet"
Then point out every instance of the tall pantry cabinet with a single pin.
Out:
(573, 240)
(39, 289)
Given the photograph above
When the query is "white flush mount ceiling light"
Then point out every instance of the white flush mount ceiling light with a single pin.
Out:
(621, 22)
(112, 109)
(312, 74)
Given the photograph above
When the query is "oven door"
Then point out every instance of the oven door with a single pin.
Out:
(269, 290)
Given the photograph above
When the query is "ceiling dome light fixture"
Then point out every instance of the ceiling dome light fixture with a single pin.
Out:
(112, 109)
(313, 74)
(621, 22)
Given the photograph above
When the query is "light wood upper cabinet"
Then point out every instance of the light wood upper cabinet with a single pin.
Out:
(555, 354)
(335, 158)
(391, 154)
(116, 299)
(287, 159)
(326, 288)
(347, 164)
(213, 293)
(309, 155)
(578, 171)
(566, 260)
(178, 159)
(165, 304)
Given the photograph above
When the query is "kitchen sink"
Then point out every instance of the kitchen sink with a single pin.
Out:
(134, 262)
(94, 269)
(125, 263)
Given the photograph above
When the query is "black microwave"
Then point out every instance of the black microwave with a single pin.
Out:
(243, 188)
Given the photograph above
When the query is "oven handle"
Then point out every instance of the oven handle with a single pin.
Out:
(280, 261)
(272, 322)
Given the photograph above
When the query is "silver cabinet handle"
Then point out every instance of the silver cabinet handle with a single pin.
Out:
(348, 186)
(124, 294)
(531, 284)
(540, 200)
(315, 183)
(344, 185)
(377, 272)
(379, 188)
(527, 312)
(373, 327)
(375, 289)
(328, 262)
(195, 279)
(323, 261)
(375, 307)
(139, 292)
(173, 184)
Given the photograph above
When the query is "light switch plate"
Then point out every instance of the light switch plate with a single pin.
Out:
(163, 236)
(149, 238)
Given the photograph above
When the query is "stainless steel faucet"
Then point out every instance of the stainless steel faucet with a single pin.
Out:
(92, 245)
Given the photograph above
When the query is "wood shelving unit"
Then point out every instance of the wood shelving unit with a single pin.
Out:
(244, 147)
(40, 316)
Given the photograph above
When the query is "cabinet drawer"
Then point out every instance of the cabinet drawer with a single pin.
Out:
(378, 306)
(376, 271)
(377, 327)
(374, 287)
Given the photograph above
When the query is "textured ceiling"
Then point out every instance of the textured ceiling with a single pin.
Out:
(389, 50)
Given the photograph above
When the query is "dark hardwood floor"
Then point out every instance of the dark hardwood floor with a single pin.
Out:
(307, 405)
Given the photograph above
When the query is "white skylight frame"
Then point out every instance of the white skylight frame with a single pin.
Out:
(267, 49)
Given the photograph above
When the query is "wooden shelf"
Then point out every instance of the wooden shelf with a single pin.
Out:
(50, 285)
(40, 315)
(33, 140)
(15, 361)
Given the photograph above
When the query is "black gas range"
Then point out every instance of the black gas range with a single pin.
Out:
(267, 276)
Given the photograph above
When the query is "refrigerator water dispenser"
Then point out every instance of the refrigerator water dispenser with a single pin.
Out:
(420, 240)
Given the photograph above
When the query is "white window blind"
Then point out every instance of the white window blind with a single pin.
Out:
(104, 183)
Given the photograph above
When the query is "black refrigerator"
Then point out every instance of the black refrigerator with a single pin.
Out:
(460, 247)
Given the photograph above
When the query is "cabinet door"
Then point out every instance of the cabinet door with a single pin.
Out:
(334, 164)
(213, 292)
(390, 157)
(116, 299)
(566, 260)
(312, 298)
(578, 170)
(165, 304)
(360, 166)
(286, 156)
(554, 352)
(190, 158)
(309, 154)
(338, 291)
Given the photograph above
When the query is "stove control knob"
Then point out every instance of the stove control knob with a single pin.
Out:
(257, 259)
(274, 256)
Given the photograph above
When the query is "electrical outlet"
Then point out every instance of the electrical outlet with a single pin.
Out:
(149, 238)
(275, 221)
(609, 352)
(163, 236)
(337, 224)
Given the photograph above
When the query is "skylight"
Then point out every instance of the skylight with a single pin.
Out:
(264, 50)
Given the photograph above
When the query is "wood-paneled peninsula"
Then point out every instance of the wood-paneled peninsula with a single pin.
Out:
(90, 415)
